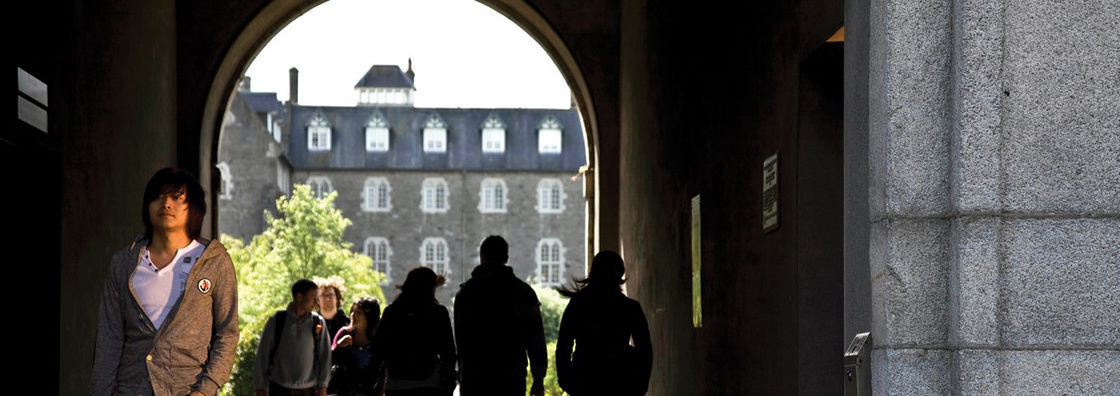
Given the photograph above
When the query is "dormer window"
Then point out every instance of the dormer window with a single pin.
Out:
(435, 135)
(550, 136)
(318, 134)
(377, 133)
(493, 135)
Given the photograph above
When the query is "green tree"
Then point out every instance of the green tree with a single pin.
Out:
(552, 309)
(303, 241)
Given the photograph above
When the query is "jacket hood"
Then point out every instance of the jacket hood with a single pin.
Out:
(492, 271)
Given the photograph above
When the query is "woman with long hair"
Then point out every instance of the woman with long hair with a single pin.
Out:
(356, 370)
(415, 339)
(613, 355)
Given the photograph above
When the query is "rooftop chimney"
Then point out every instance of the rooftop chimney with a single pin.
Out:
(293, 85)
(243, 85)
(410, 73)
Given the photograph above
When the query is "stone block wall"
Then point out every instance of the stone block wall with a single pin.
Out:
(994, 196)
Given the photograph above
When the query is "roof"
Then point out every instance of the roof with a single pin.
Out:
(464, 140)
(384, 76)
(262, 102)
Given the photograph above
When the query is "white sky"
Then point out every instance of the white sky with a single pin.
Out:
(464, 54)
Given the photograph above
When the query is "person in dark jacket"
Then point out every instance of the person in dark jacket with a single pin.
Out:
(356, 371)
(415, 340)
(498, 323)
(613, 355)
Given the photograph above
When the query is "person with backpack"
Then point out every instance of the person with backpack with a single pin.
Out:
(294, 355)
(414, 339)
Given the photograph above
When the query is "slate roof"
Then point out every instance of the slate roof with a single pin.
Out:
(262, 102)
(464, 140)
(384, 76)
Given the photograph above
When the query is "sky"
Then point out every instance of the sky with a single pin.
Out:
(464, 54)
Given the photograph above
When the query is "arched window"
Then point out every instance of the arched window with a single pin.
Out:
(377, 133)
(433, 254)
(318, 134)
(375, 195)
(550, 196)
(377, 248)
(433, 195)
(320, 186)
(550, 262)
(493, 135)
(492, 197)
(227, 181)
(435, 135)
(550, 136)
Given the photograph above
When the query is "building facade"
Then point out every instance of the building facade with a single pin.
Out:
(422, 186)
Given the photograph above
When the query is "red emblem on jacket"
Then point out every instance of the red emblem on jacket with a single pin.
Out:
(204, 286)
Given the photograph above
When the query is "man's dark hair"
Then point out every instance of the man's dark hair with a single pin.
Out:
(302, 286)
(172, 179)
(494, 250)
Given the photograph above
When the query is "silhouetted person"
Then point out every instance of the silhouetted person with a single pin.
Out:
(415, 339)
(356, 371)
(498, 323)
(603, 322)
(167, 323)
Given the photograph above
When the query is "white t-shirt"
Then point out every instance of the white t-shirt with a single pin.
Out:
(159, 289)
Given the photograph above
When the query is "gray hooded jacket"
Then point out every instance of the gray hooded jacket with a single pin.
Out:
(193, 350)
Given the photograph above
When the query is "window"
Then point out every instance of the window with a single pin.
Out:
(283, 178)
(377, 248)
(377, 133)
(550, 136)
(493, 135)
(550, 196)
(492, 196)
(435, 135)
(276, 134)
(375, 195)
(550, 262)
(318, 134)
(227, 181)
(433, 196)
(320, 186)
(433, 254)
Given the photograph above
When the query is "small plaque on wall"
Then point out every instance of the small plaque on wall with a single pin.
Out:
(770, 193)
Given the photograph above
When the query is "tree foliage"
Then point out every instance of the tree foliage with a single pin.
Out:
(303, 241)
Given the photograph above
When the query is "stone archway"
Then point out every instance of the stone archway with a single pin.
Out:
(277, 14)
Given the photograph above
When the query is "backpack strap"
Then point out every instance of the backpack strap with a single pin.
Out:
(279, 318)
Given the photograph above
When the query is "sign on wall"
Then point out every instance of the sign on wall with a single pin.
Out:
(770, 193)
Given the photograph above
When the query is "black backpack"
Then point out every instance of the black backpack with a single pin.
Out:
(279, 318)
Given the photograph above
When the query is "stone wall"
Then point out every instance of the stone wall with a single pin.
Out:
(995, 196)
(463, 227)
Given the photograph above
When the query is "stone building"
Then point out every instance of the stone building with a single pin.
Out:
(423, 186)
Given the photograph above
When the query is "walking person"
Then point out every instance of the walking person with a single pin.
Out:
(330, 302)
(356, 371)
(167, 321)
(414, 338)
(612, 355)
(294, 355)
(498, 324)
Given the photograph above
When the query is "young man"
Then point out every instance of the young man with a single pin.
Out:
(167, 323)
(498, 323)
(298, 362)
